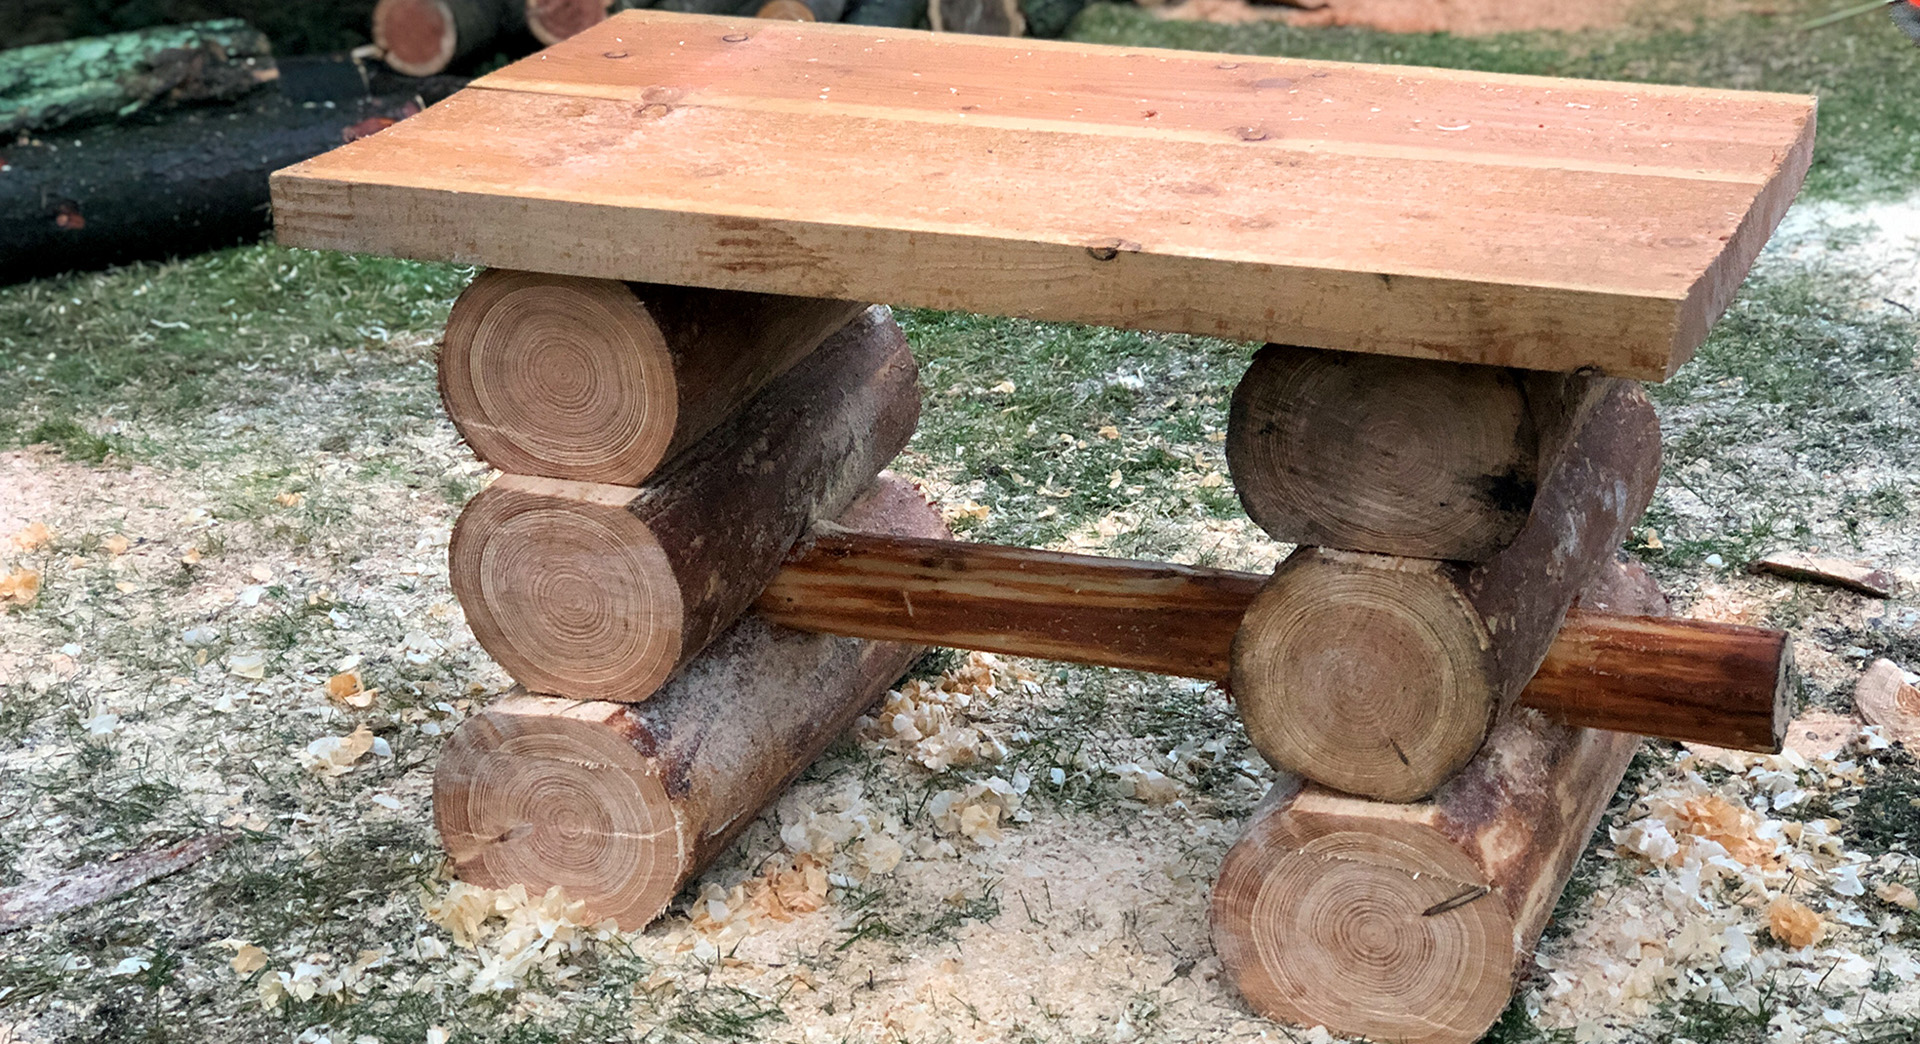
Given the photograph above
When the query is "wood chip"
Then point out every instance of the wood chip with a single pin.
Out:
(1834, 572)
(1821, 734)
(34, 536)
(41, 901)
(20, 587)
(1885, 698)
(1794, 924)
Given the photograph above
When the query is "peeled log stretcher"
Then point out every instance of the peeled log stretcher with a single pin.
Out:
(601, 592)
(622, 803)
(1409, 923)
(1692, 680)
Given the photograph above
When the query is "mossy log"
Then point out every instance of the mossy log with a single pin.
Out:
(103, 77)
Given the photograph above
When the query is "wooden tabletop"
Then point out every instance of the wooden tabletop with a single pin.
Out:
(1526, 221)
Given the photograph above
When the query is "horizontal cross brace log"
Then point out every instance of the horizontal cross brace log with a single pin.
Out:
(1691, 680)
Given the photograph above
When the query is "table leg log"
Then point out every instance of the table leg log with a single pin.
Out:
(602, 381)
(1381, 675)
(1411, 457)
(1693, 680)
(1410, 923)
(602, 592)
(622, 803)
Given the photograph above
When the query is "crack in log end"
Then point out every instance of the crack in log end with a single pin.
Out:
(1456, 902)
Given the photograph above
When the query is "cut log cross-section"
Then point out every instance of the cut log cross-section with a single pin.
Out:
(1396, 456)
(1691, 680)
(552, 21)
(602, 381)
(621, 804)
(424, 37)
(1381, 675)
(1410, 922)
(601, 592)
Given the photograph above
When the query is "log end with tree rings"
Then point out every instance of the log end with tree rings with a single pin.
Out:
(1368, 673)
(417, 37)
(566, 589)
(1370, 926)
(1374, 453)
(785, 11)
(559, 376)
(552, 21)
(542, 792)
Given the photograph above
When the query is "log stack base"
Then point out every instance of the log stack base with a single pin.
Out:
(657, 571)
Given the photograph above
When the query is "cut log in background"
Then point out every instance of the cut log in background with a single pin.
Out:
(109, 77)
(552, 21)
(1410, 922)
(425, 37)
(601, 592)
(602, 381)
(1692, 680)
(1381, 675)
(1396, 456)
(620, 803)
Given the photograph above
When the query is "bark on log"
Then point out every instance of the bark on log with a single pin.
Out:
(145, 189)
(602, 592)
(621, 804)
(1382, 675)
(1689, 680)
(424, 37)
(1411, 922)
(601, 381)
(981, 17)
(105, 77)
(1396, 456)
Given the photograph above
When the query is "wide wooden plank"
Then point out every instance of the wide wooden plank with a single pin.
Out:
(837, 161)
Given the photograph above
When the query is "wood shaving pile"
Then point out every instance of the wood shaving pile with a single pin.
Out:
(926, 721)
(1726, 894)
(510, 937)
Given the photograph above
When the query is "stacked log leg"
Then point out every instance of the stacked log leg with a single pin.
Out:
(597, 591)
(1382, 674)
(1411, 922)
(620, 803)
(602, 381)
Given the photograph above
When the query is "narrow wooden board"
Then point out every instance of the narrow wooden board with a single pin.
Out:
(1549, 224)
